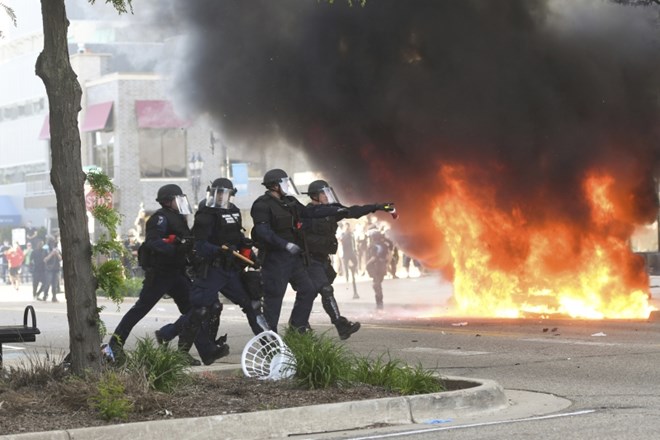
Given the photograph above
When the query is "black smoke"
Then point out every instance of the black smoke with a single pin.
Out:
(534, 93)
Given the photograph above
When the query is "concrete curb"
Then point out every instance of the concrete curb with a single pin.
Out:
(480, 396)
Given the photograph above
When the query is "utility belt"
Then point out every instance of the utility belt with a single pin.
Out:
(224, 261)
(319, 256)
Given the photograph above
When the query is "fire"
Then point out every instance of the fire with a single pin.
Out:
(507, 266)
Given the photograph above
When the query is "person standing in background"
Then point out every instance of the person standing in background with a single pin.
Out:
(38, 267)
(14, 257)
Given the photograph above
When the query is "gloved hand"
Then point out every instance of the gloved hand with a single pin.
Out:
(293, 248)
(387, 207)
(248, 242)
(183, 247)
(229, 249)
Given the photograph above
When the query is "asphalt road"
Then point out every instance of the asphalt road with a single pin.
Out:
(607, 370)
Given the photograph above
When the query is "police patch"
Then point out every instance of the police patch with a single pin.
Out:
(161, 219)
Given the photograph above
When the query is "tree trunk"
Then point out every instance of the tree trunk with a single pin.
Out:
(64, 95)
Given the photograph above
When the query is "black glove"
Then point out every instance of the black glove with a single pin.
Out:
(387, 207)
(229, 249)
(248, 242)
(183, 247)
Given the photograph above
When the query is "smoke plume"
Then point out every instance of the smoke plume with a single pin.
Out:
(528, 95)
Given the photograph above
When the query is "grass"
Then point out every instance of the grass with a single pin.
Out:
(112, 392)
(321, 362)
(165, 368)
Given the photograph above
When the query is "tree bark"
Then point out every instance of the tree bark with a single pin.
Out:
(64, 96)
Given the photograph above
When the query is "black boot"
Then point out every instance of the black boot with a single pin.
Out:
(218, 352)
(346, 328)
(191, 361)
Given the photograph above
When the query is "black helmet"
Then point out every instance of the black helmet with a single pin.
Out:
(223, 182)
(168, 192)
(274, 176)
(316, 186)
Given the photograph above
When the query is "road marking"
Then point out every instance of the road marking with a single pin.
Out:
(441, 351)
(476, 425)
(12, 347)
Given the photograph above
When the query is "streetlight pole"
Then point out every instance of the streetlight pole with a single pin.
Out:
(196, 164)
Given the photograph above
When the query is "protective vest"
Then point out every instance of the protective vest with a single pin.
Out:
(321, 238)
(177, 225)
(283, 219)
(228, 226)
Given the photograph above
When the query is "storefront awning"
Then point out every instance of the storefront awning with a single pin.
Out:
(158, 114)
(97, 117)
(44, 134)
(9, 215)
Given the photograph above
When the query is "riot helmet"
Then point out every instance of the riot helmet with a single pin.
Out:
(218, 195)
(320, 191)
(171, 192)
(277, 177)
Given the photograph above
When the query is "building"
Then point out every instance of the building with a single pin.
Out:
(131, 125)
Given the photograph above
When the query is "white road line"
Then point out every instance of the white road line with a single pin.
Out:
(475, 425)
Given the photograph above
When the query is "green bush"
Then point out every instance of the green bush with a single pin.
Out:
(393, 374)
(110, 401)
(321, 362)
(131, 287)
(164, 368)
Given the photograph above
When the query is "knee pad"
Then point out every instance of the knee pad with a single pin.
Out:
(216, 309)
(253, 284)
(198, 315)
(327, 291)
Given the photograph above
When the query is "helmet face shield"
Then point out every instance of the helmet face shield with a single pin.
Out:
(288, 187)
(218, 197)
(182, 204)
(327, 196)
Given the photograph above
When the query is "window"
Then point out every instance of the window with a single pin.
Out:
(103, 149)
(163, 153)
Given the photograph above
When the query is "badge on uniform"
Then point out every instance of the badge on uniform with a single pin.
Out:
(161, 219)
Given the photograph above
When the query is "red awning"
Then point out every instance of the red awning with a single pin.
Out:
(44, 134)
(158, 114)
(96, 117)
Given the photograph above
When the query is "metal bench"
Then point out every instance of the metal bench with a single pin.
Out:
(19, 333)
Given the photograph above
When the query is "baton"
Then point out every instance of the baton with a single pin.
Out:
(238, 255)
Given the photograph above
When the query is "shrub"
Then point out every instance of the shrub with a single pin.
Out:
(110, 401)
(164, 368)
(320, 362)
(393, 374)
(131, 288)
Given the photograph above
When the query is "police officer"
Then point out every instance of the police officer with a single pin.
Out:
(277, 217)
(320, 234)
(377, 256)
(218, 233)
(166, 248)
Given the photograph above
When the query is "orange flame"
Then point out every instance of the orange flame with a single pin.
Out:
(505, 266)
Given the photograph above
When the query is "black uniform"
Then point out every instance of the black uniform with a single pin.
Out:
(320, 234)
(217, 270)
(377, 261)
(164, 265)
(277, 223)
